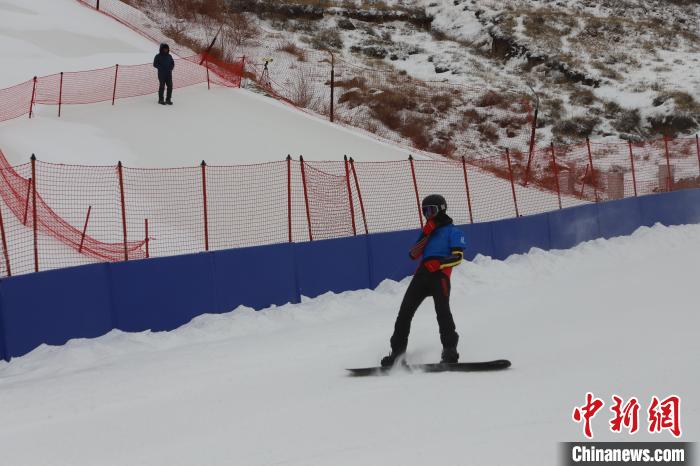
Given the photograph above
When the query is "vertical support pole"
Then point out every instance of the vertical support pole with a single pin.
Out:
(240, 80)
(82, 237)
(204, 200)
(415, 188)
(5, 251)
(123, 205)
(114, 92)
(31, 102)
(98, 5)
(332, 85)
(556, 174)
(697, 145)
(60, 95)
(359, 194)
(147, 240)
(590, 162)
(532, 145)
(512, 183)
(634, 174)
(206, 65)
(34, 215)
(26, 203)
(306, 197)
(289, 196)
(352, 208)
(466, 185)
(583, 183)
(669, 180)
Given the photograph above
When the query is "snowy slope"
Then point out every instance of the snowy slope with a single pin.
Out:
(48, 36)
(268, 388)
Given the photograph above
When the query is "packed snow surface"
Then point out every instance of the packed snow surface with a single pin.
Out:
(269, 388)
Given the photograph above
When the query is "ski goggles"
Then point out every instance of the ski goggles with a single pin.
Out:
(430, 211)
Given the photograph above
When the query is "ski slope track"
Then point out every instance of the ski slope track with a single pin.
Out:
(270, 387)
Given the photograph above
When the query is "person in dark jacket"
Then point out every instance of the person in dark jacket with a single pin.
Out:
(165, 64)
(441, 246)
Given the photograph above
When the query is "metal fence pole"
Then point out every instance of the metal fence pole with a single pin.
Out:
(590, 161)
(669, 180)
(60, 95)
(204, 202)
(123, 206)
(31, 102)
(556, 175)
(5, 251)
(332, 85)
(306, 198)
(114, 92)
(359, 194)
(289, 195)
(415, 188)
(352, 208)
(26, 202)
(634, 174)
(34, 215)
(147, 240)
(466, 185)
(82, 237)
(512, 183)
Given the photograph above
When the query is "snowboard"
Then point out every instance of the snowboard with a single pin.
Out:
(498, 364)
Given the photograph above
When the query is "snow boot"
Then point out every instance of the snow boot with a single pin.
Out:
(168, 102)
(388, 361)
(161, 102)
(449, 356)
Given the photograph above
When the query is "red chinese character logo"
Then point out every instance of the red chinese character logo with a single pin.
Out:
(627, 416)
(586, 412)
(665, 415)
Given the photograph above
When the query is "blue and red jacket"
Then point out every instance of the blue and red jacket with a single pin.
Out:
(440, 241)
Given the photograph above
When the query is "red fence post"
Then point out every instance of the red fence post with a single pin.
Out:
(5, 252)
(31, 102)
(697, 145)
(669, 181)
(242, 71)
(359, 194)
(583, 183)
(415, 188)
(82, 238)
(114, 92)
(306, 197)
(289, 195)
(512, 183)
(206, 65)
(60, 95)
(634, 175)
(352, 208)
(147, 240)
(34, 215)
(556, 175)
(206, 211)
(466, 185)
(590, 161)
(532, 145)
(123, 205)
(26, 203)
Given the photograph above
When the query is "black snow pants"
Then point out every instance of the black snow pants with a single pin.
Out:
(168, 82)
(424, 284)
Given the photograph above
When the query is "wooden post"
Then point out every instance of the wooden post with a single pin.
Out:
(556, 175)
(306, 198)
(669, 180)
(359, 194)
(634, 175)
(82, 238)
(466, 185)
(34, 215)
(206, 211)
(5, 251)
(352, 208)
(512, 183)
(415, 188)
(123, 205)
(289, 195)
(60, 95)
(31, 102)
(114, 92)
(590, 161)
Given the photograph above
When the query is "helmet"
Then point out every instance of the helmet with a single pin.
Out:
(433, 205)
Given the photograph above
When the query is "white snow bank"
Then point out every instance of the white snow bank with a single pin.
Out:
(265, 388)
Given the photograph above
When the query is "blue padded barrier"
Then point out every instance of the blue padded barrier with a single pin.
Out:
(519, 235)
(569, 227)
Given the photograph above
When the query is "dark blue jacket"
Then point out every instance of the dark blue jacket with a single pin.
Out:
(165, 64)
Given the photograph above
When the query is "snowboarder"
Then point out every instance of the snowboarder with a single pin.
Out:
(165, 64)
(441, 246)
